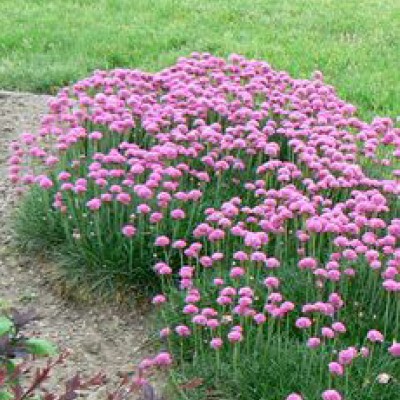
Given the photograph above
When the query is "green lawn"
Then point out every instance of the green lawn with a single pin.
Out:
(45, 44)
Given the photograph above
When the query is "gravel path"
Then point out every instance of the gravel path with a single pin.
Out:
(102, 338)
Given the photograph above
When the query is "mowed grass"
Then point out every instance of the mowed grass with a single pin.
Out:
(45, 44)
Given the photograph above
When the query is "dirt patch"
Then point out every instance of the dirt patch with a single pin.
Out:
(101, 338)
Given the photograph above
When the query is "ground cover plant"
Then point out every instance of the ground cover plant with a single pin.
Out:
(240, 195)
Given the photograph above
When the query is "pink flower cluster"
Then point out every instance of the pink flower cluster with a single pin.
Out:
(251, 189)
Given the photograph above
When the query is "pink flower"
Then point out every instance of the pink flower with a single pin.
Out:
(143, 209)
(224, 300)
(294, 396)
(146, 363)
(327, 332)
(64, 176)
(272, 263)
(143, 191)
(95, 135)
(334, 275)
(46, 183)
(258, 256)
(235, 336)
(307, 263)
(331, 395)
(155, 217)
(339, 327)
(216, 343)
(165, 270)
(162, 241)
(336, 369)
(336, 300)
(347, 356)
(350, 254)
(391, 285)
(159, 299)
(313, 342)
(394, 349)
(271, 282)
(240, 256)
(228, 291)
(94, 204)
(206, 261)
(182, 330)
(375, 336)
(237, 272)
(163, 359)
(255, 240)
(287, 306)
(275, 297)
(217, 256)
(199, 320)
(186, 272)
(129, 230)
(165, 332)
(215, 235)
(303, 323)
(179, 244)
(178, 214)
(209, 312)
(246, 291)
(190, 309)
(259, 319)
(218, 281)
(213, 323)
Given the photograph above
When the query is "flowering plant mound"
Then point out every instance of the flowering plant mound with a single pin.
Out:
(246, 197)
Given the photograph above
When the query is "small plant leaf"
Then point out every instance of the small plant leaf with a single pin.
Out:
(10, 367)
(40, 347)
(4, 395)
(5, 325)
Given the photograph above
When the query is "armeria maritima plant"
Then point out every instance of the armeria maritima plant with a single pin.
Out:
(261, 208)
